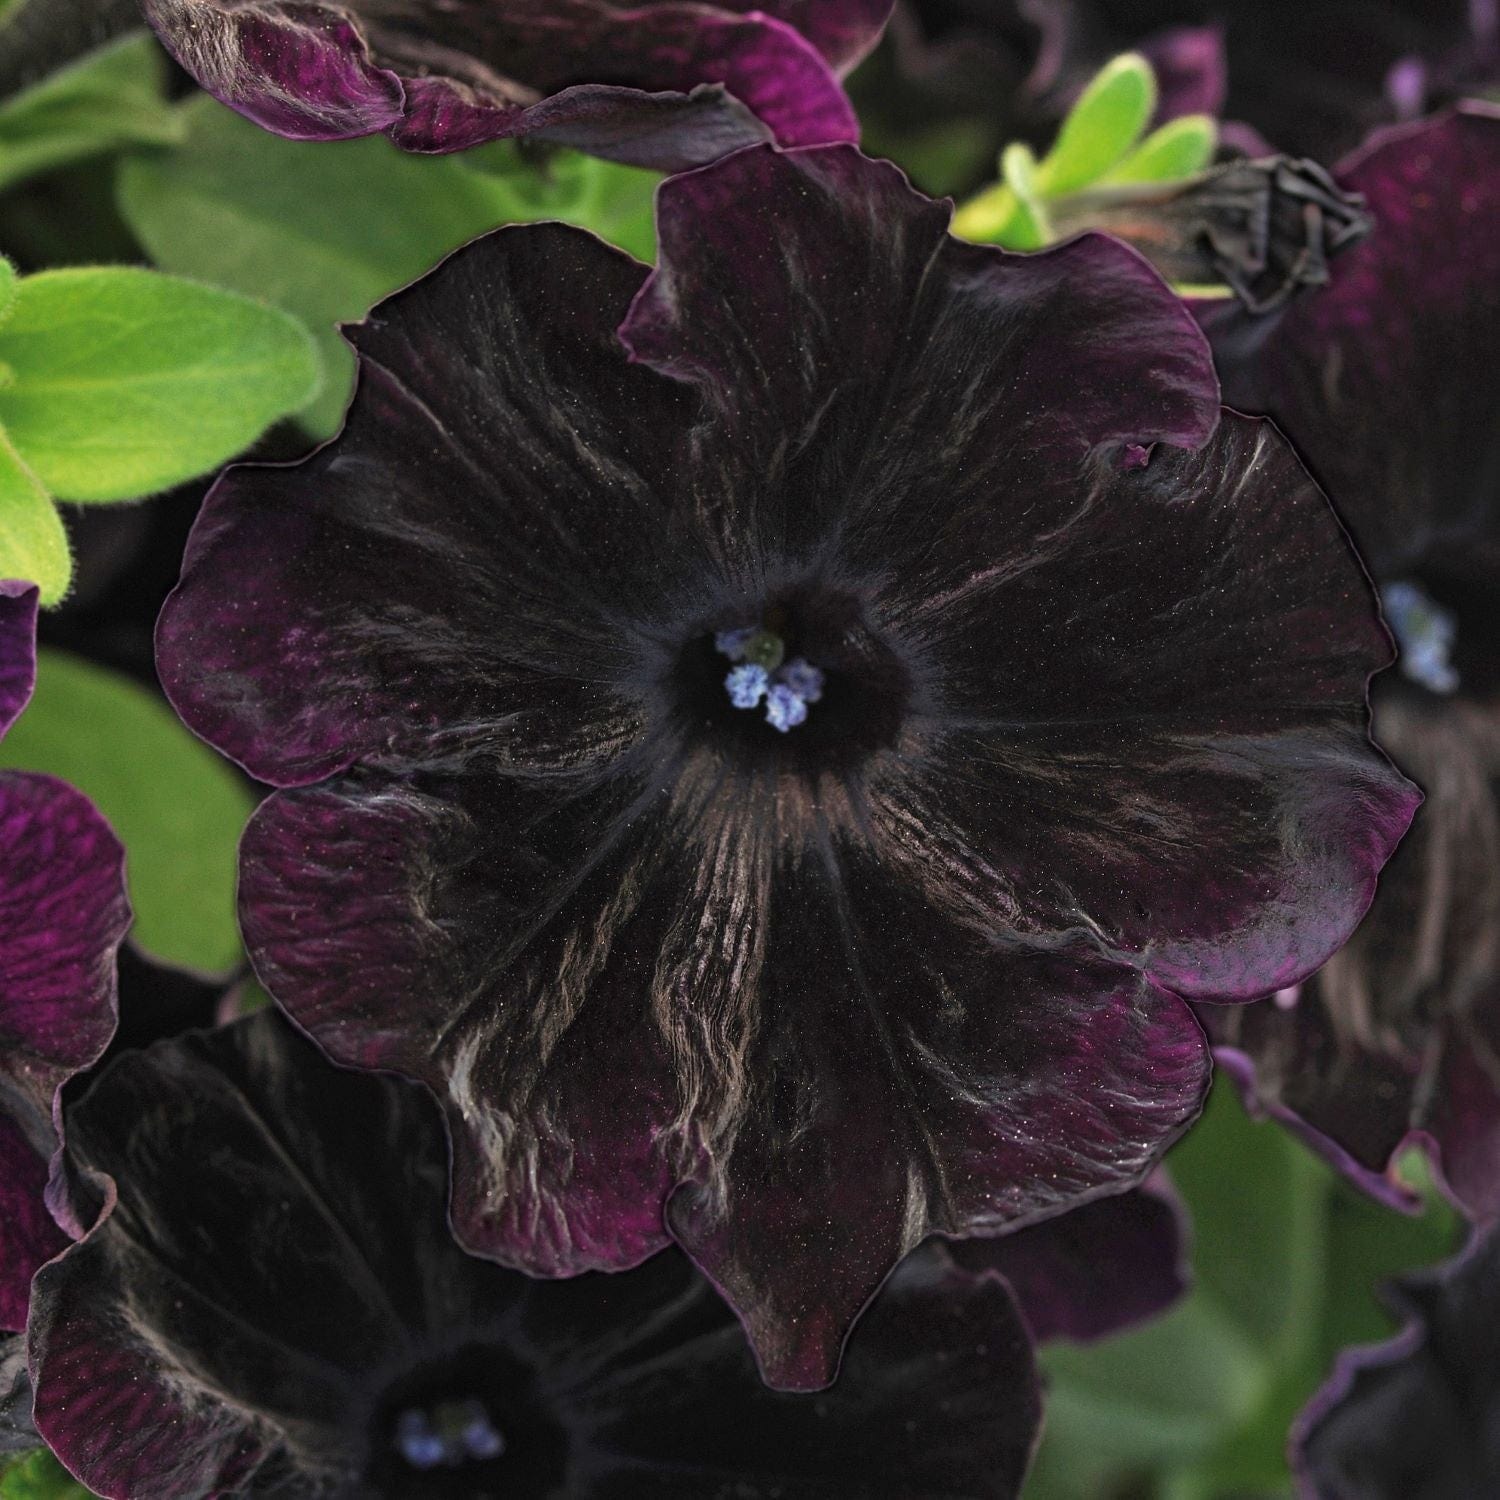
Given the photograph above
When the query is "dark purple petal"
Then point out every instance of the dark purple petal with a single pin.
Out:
(1096, 1269)
(18, 603)
(299, 68)
(1214, 688)
(497, 474)
(665, 84)
(555, 1108)
(1417, 1417)
(771, 327)
(28, 1235)
(276, 1280)
(1038, 1083)
(63, 913)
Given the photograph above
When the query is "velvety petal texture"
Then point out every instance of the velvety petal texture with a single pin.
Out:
(1418, 1417)
(273, 1306)
(665, 83)
(1385, 381)
(1085, 730)
(63, 914)
(1095, 1270)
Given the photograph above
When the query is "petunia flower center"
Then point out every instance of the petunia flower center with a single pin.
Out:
(447, 1435)
(471, 1423)
(805, 680)
(1426, 635)
(763, 675)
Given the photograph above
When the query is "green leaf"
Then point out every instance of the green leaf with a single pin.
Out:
(33, 544)
(177, 807)
(1159, 1395)
(1286, 1257)
(1181, 148)
(326, 230)
(1163, 1399)
(616, 202)
(127, 381)
(1259, 1202)
(39, 1476)
(1109, 118)
(7, 288)
(108, 99)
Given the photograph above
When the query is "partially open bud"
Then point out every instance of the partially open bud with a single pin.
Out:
(1264, 228)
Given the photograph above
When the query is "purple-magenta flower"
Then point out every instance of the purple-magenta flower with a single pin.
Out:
(1385, 381)
(662, 83)
(1090, 736)
(273, 1305)
(63, 914)
(1417, 1417)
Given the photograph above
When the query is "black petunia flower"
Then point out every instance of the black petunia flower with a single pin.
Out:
(1386, 383)
(1418, 1417)
(272, 1305)
(662, 83)
(1076, 721)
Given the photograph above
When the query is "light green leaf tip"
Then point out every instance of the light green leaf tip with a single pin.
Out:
(178, 808)
(127, 381)
(1109, 118)
(33, 543)
(1181, 148)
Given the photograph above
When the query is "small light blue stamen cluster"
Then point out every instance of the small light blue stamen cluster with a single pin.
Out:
(1425, 634)
(747, 684)
(453, 1433)
(763, 674)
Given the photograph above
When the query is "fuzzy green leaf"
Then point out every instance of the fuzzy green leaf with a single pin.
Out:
(1109, 118)
(33, 543)
(127, 381)
(326, 230)
(176, 806)
(109, 98)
